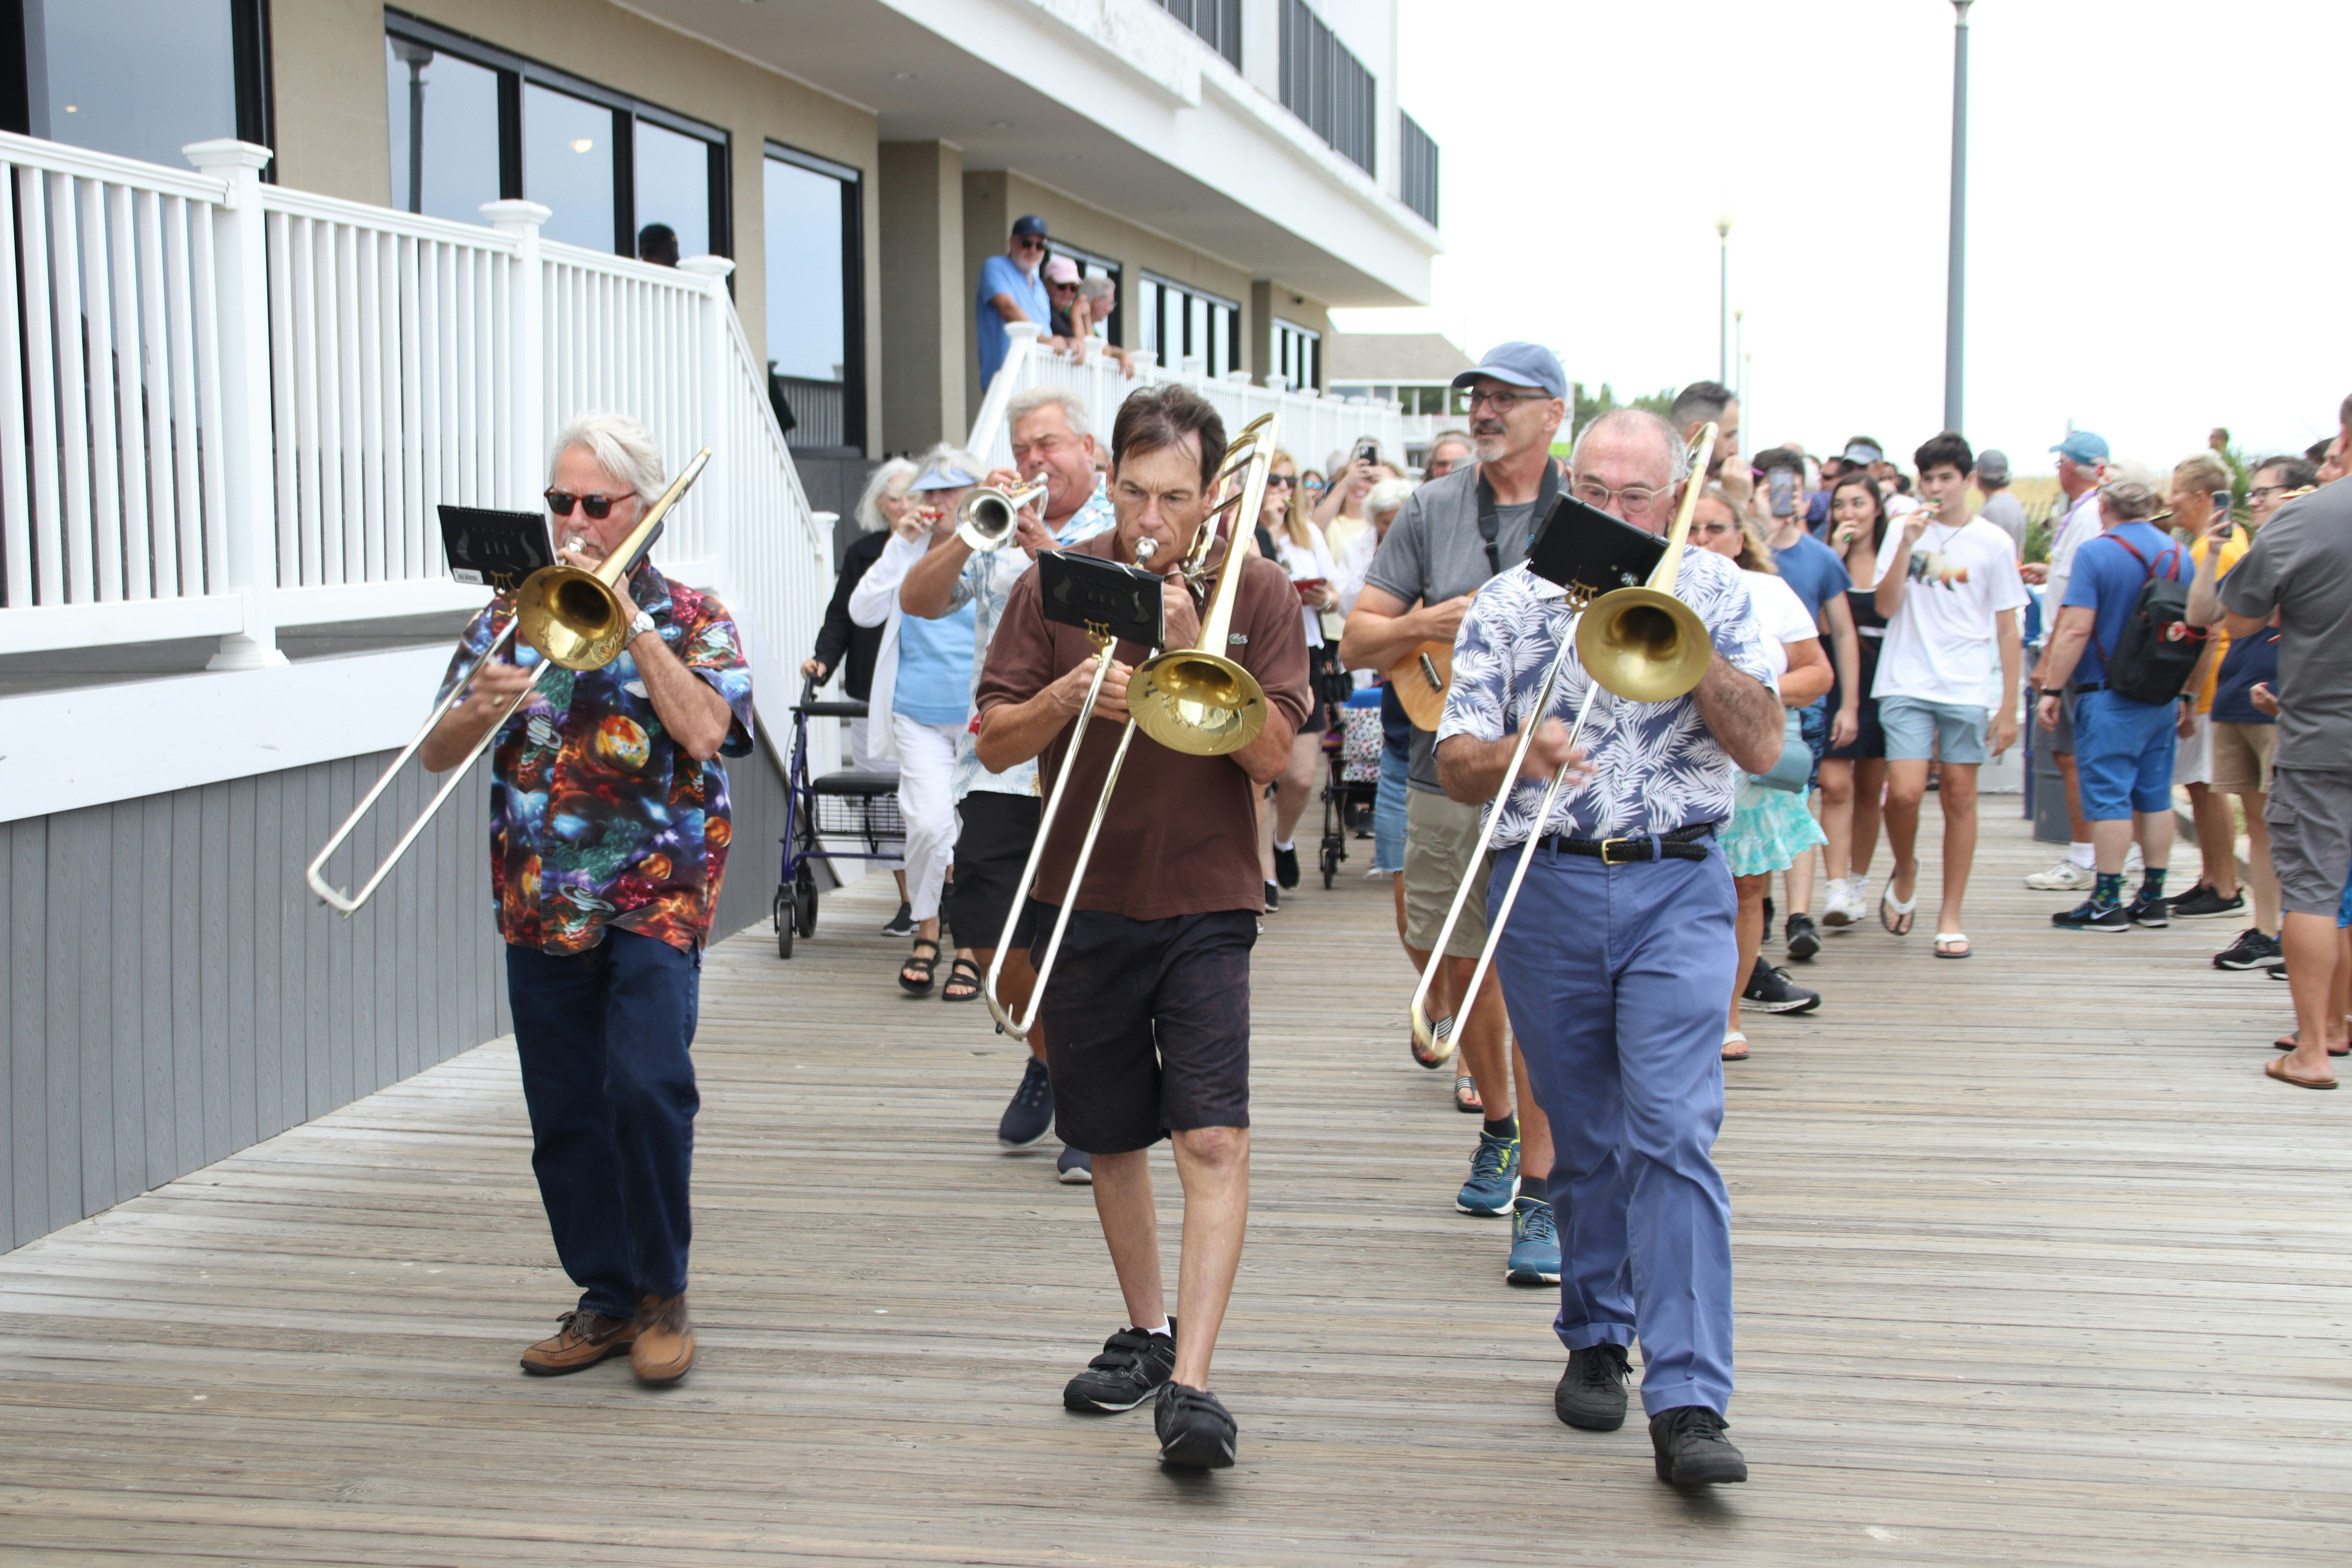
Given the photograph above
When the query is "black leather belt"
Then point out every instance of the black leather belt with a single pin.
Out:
(2090, 686)
(1681, 844)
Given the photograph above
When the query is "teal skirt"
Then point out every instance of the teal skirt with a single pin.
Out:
(1768, 829)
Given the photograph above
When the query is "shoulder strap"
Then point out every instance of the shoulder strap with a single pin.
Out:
(1490, 523)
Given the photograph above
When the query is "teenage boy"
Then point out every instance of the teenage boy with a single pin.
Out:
(1948, 587)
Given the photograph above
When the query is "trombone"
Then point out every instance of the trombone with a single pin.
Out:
(1644, 646)
(1203, 704)
(574, 619)
(987, 517)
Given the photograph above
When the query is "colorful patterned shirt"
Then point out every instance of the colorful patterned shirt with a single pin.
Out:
(1656, 765)
(986, 581)
(598, 816)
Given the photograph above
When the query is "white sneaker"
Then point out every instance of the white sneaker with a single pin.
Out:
(1842, 908)
(1857, 898)
(2063, 878)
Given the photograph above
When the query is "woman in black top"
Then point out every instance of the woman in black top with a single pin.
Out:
(1854, 776)
(878, 510)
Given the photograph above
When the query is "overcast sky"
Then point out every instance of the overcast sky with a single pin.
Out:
(2140, 258)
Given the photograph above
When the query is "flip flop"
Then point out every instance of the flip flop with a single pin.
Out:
(1735, 1038)
(1899, 909)
(2276, 1067)
(1466, 1096)
(1944, 939)
(1441, 1044)
(2288, 1043)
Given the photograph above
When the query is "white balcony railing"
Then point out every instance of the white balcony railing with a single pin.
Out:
(1313, 427)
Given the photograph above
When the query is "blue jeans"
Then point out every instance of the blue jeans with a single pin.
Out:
(1616, 978)
(603, 1036)
(1388, 813)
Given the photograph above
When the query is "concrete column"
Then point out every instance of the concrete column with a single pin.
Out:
(1258, 330)
(927, 352)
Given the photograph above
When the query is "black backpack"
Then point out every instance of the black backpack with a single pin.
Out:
(2158, 650)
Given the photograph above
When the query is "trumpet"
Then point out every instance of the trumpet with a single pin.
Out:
(1643, 645)
(989, 516)
(574, 619)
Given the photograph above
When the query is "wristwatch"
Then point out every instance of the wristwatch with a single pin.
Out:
(639, 626)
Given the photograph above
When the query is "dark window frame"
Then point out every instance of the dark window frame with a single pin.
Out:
(248, 24)
(514, 69)
(1326, 86)
(853, 281)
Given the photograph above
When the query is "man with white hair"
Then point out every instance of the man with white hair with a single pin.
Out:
(1620, 951)
(605, 902)
(997, 814)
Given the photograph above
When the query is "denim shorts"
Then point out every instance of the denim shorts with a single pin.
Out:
(2123, 754)
(1917, 730)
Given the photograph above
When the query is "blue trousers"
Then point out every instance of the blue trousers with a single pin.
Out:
(603, 1036)
(1617, 978)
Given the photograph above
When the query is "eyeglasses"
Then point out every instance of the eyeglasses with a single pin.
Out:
(1285, 480)
(1504, 402)
(2259, 491)
(598, 507)
(1637, 500)
(1029, 242)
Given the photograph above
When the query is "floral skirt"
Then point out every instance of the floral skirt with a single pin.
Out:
(1768, 829)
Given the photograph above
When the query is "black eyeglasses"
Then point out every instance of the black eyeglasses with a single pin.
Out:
(597, 507)
(1285, 480)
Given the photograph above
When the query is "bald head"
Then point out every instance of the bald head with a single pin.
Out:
(1629, 450)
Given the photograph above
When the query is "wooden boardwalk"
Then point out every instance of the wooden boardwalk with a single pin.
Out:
(2034, 1267)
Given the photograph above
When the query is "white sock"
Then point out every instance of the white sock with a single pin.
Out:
(1163, 1330)
(1286, 846)
(2081, 854)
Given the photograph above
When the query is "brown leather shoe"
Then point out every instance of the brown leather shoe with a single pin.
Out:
(664, 1347)
(583, 1339)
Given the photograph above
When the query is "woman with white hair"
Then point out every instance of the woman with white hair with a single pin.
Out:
(921, 699)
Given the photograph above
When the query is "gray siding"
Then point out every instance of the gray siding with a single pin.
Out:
(170, 992)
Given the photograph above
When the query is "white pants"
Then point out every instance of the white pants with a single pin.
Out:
(926, 800)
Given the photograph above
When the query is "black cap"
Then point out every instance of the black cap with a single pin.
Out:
(1029, 223)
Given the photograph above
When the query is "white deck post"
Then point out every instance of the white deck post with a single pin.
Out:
(528, 371)
(248, 475)
(716, 514)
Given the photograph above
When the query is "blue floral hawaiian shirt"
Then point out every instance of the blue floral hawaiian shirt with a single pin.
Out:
(1656, 766)
(597, 817)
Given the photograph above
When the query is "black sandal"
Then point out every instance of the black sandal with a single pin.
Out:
(917, 964)
(961, 972)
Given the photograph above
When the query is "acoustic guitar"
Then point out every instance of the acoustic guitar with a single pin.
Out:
(1421, 681)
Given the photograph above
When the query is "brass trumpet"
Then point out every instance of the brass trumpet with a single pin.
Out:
(988, 517)
(575, 619)
(1643, 645)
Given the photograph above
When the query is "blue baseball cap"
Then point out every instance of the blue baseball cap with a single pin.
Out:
(946, 476)
(1521, 364)
(1028, 225)
(2083, 448)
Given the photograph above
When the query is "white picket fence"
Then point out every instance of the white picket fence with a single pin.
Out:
(1313, 427)
(231, 407)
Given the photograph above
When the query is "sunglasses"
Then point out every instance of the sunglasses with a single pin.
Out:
(1284, 480)
(597, 507)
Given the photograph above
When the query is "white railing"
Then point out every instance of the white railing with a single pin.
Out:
(232, 407)
(1313, 427)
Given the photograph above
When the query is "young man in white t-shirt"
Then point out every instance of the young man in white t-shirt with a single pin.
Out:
(1949, 589)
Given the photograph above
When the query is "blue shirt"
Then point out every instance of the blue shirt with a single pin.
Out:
(1814, 571)
(1003, 274)
(2106, 581)
(2251, 660)
(935, 669)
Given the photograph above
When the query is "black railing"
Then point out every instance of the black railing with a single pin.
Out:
(1416, 167)
(1328, 87)
(812, 412)
(1218, 22)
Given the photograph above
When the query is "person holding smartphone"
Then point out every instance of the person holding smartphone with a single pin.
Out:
(1300, 550)
(1341, 511)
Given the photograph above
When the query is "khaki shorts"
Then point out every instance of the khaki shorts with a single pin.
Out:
(1438, 838)
(2241, 757)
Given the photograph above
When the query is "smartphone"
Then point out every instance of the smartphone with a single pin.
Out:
(1783, 483)
(1368, 451)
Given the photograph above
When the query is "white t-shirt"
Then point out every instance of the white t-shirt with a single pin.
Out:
(1781, 616)
(1307, 562)
(2084, 522)
(1939, 645)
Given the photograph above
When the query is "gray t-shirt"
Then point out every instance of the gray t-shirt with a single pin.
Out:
(2300, 565)
(2004, 512)
(1432, 553)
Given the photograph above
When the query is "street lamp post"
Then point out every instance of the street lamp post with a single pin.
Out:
(1723, 300)
(1740, 352)
(1956, 269)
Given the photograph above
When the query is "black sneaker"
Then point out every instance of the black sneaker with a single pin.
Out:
(2089, 916)
(1803, 940)
(1273, 898)
(1133, 1362)
(2203, 902)
(1285, 865)
(2253, 950)
(1771, 989)
(1031, 1111)
(1691, 1448)
(1591, 1392)
(1195, 1430)
(902, 923)
(2149, 911)
(1075, 1168)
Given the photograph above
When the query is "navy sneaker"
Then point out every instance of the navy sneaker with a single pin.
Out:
(1195, 1430)
(1494, 1178)
(1134, 1361)
(1691, 1449)
(2148, 910)
(2253, 950)
(1590, 1396)
(902, 923)
(1803, 940)
(2089, 916)
(1031, 1112)
(1286, 867)
(1535, 1243)
(1769, 990)
(1075, 1168)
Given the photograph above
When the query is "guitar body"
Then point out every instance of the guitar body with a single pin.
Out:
(1420, 679)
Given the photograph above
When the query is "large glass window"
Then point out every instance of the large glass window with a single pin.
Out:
(445, 130)
(567, 165)
(1297, 354)
(672, 172)
(815, 324)
(141, 79)
(1110, 329)
(1178, 322)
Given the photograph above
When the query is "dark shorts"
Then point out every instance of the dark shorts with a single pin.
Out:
(992, 849)
(1146, 1025)
(1869, 743)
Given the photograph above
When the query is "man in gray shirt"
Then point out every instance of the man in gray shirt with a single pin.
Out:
(2300, 567)
(2000, 508)
(1452, 536)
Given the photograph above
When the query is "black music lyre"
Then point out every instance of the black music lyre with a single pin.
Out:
(1590, 553)
(1107, 600)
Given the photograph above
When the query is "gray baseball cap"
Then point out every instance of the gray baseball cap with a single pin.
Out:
(1521, 364)
(1993, 464)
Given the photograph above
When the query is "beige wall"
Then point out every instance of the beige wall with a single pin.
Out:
(334, 128)
(926, 322)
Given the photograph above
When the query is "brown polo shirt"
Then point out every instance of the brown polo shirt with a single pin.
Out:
(1180, 836)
